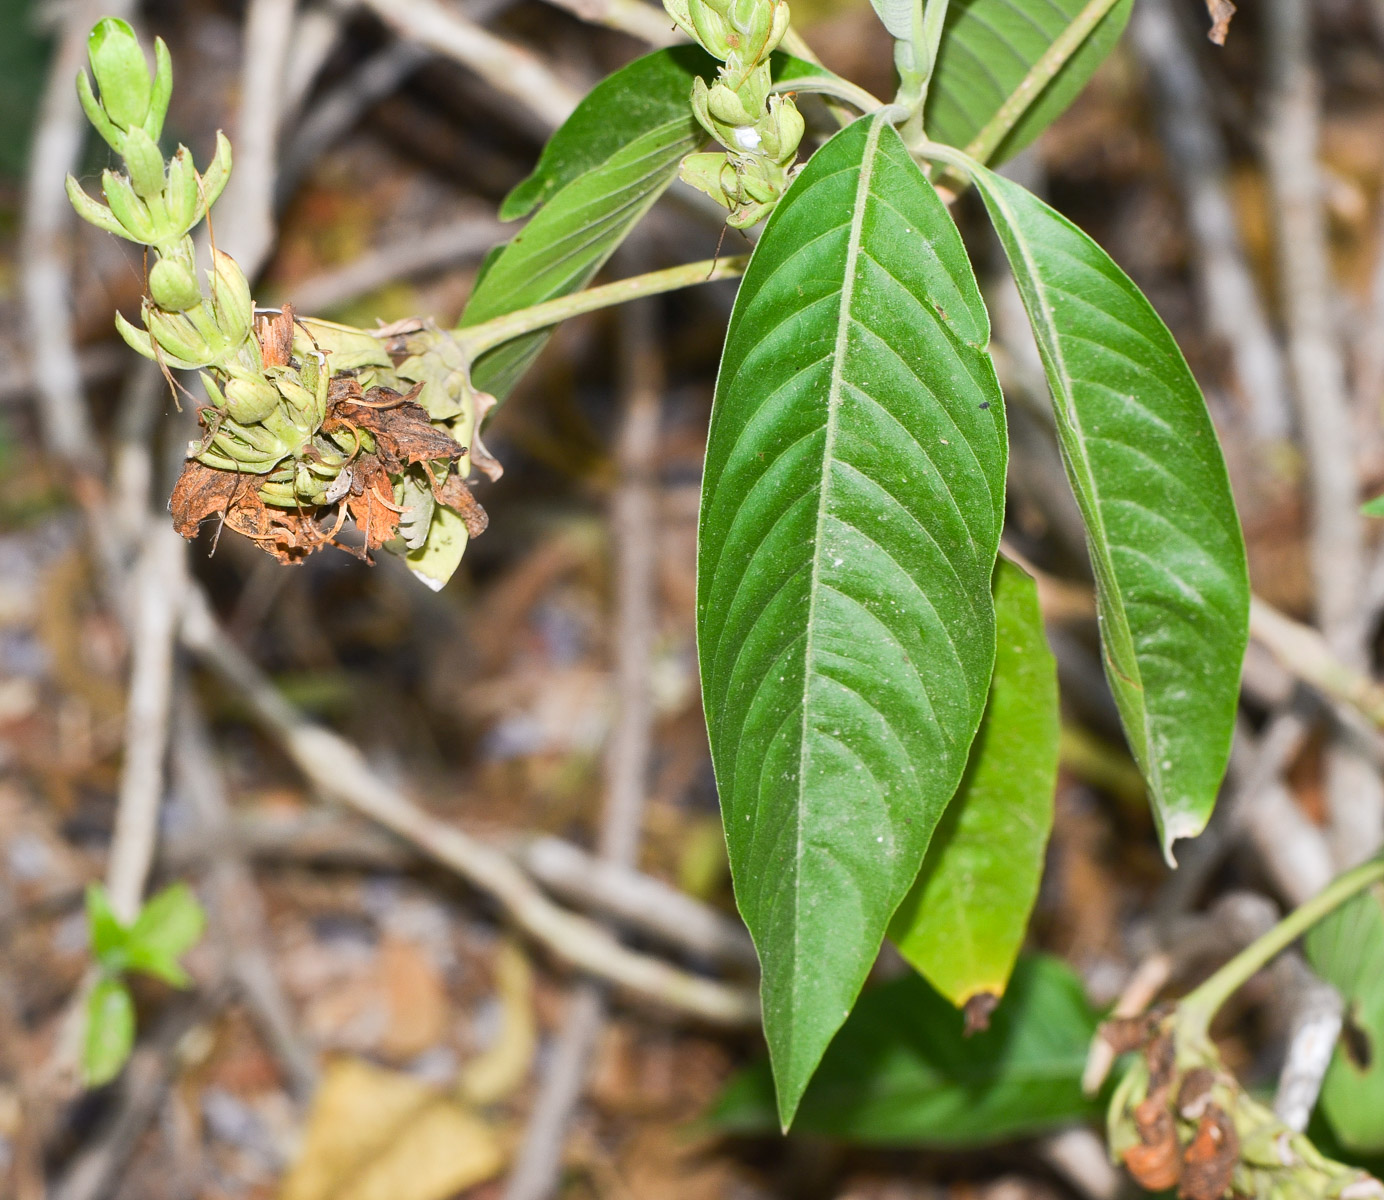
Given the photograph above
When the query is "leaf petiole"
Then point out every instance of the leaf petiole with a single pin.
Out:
(1199, 1008)
(475, 340)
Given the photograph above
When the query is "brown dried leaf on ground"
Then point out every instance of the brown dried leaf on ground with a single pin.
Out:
(382, 1135)
(203, 492)
(1221, 11)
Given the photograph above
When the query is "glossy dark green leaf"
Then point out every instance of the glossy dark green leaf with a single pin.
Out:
(1347, 950)
(110, 1031)
(902, 1072)
(986, 51)
(851, 512)
(964, 920)
(592, 195)
(1142, 457)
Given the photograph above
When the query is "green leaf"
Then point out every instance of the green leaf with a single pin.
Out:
(650, 92)
(963, 923)
(902, 1072)
(436, 560)
(1347, 950)
(168, 926)
(988, 47)
(851, 513)
(110, 1031)
(602, 171)
(1373, 508)
(1142, 457)
(108, 936)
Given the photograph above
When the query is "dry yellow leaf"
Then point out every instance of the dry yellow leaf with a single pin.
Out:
(381, 1135)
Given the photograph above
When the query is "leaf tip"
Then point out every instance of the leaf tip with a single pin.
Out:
(1177, 826)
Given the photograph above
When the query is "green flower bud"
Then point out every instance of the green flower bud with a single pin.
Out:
(781, 130)
(230, 299)
(132, 213)
(249, 401)
(728, 108)
(121, 72)
(142, 343)
(178, 337)
(161, 91)
(103, 125)
(182, 193)
(144, 161)
(217, 172)
(97, 214)
(708, 28)
(303, 406)
(173, 286)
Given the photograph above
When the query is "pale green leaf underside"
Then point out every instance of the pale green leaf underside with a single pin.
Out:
(964, 920)
(902, 1073)
(851, 512)
(580, 224)
(1347, 950)
(988, 47)
(1142, 458)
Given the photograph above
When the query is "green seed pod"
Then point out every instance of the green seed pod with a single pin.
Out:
(728, 108)
(173, 286)
(142, 343)
(781, 130)
(144, 161)
(121, 72)
(132, 213)
(303, 407)
(250, 400)
(708, 27)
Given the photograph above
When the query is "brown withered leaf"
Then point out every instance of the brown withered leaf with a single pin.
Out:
(1194, 1093)
(1209, 1164)
(275, 334)
(1156, 1163)
(1221, 11)
(1162, 1059)
(403, 431)
(371, 502)
(1124, 1034)
(457, 496)
(978, 1011)
(202, 492)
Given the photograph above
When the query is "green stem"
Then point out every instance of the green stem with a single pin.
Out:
(1197, 1009)
(934, 18)
(477, 339)
(829, 85)
(1068, 42)
(794, 44)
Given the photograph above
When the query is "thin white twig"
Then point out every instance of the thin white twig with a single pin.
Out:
(510, 69)
(647, 22)
(1316, 1026)
(159, 581)
(634, 526)
(462, 240)
(1196, 152)
(337, 769)
(245, 215)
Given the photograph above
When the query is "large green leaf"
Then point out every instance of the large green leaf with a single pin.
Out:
(603, 170)
(902, 1071)
(851, 512)
(1347, 950)
(988, 47)
(963, 922)
(1142, 458)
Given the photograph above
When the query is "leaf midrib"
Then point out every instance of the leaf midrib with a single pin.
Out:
(843, 324)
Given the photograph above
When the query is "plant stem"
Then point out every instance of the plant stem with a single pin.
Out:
(793, 43)
(1068, 42)
(834, 88)
(1200, 1006)
(477, 339)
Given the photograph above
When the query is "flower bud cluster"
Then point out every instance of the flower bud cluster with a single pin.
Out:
(268, 406)
(760, 132)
